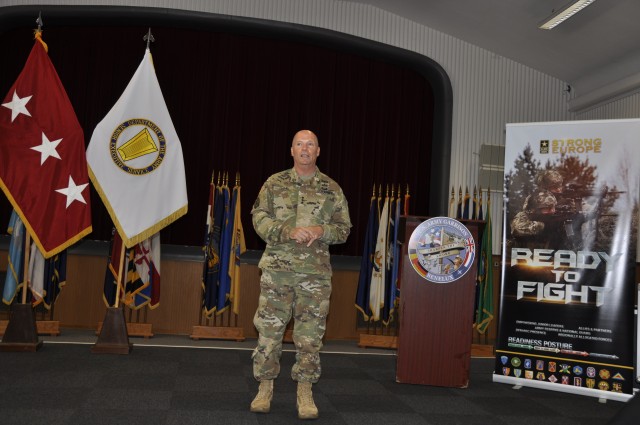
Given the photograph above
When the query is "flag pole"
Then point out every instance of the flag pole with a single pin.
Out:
(119, 282)
(39, 21)
(27, 237)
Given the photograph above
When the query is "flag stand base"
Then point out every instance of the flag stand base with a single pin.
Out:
(217, 332)
(378, 341)
(144, 330)
(21, 333)
(44, 327)
(113, 338)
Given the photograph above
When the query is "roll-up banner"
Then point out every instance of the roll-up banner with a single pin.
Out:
(566, 320)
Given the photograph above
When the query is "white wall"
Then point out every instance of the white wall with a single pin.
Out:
(489, 90)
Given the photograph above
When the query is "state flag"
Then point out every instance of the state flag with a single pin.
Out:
(113, 272)
(55, 277)
(15, 265)
(224, 280)
(211, 273)
(392, 292)
(366, 261)
(238, 247)
(45, 276)
(142, 287)
(466, 208)
(378, 284)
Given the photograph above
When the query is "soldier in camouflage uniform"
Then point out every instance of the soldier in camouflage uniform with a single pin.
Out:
(299, 213)
(528, 222)
(549, 219)
(534, 227)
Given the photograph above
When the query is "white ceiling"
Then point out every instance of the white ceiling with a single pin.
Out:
(597, 48)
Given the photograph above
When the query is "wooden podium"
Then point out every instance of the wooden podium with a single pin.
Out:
(436, 320)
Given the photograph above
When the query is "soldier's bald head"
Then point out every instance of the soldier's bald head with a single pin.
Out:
(306, 134)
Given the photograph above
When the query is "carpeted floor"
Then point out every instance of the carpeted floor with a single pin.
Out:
(64, 383)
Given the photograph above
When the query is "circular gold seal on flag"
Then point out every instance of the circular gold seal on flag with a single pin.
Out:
(137, 146)
(441, 249)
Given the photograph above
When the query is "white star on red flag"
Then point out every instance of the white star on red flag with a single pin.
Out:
(73, 192)
(17, 105)
(47, 148)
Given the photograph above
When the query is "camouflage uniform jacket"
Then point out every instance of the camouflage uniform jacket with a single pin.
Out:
(286, 201)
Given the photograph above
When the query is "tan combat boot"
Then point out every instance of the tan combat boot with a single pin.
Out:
(262, 402)
(306, 407)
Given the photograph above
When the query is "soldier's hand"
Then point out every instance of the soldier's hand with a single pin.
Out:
(306, 234)
(537, 227)
(316, 232)
(299, 235)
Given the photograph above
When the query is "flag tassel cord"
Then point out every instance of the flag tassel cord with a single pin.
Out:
(119, 283)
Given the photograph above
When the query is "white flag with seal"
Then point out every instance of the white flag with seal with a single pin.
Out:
(135, 160)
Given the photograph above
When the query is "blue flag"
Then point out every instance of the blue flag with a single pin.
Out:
(466, 208)
(15, 267)
(55, 277)
(366, 263)
(392, 283)
(224, 281)
(211, 273)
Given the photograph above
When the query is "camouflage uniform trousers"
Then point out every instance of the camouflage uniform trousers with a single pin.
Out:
(282, 294)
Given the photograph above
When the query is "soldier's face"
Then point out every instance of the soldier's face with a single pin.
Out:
(547, 210)
(305, 149)
(556, 189)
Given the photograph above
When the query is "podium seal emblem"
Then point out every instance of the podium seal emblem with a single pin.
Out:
(441, 249)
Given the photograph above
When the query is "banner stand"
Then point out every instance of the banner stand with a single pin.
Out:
(21, 333)
(602, 395)
(570, 256)
(113, 338)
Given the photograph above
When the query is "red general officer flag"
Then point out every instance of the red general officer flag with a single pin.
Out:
(43, 168)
